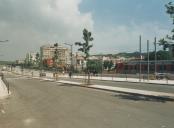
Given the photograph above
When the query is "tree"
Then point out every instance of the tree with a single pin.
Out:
(55, 58)
(85, 47)
(105, 64)
(161, 55)
(168, 41)
(108, 65)
(94, 66)
(37, 59)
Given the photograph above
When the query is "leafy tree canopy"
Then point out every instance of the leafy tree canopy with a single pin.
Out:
(168, 41)
(94, 66)
(161, 55)
(86, 46)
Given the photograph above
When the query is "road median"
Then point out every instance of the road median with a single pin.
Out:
(122, 90)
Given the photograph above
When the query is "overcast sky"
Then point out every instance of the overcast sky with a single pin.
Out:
(115, 24)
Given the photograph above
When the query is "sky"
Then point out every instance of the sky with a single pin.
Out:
(115, 24)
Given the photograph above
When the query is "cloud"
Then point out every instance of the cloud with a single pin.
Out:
(28, 24)
(31, 23)
(125, 38)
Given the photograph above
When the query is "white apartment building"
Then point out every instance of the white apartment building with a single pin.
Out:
(48, 52)
(30, 57)
(78, 61)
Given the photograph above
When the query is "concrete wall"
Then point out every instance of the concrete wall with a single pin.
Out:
(3, 90)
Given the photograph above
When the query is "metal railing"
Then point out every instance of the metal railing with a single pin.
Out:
(105, 76)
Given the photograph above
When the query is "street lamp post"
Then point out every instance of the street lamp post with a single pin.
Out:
(82, 62)
(101, 66)
(140, 58)
(155, 54)
(148, 60)
(76, 60)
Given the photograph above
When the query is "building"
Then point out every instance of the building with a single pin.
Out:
(30, 58)
(20, 61)
(47, 52)
(48, 62)
(78, 62)
(93, 57)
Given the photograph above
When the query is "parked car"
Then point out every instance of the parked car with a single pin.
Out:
(160, 76)
(42, 74)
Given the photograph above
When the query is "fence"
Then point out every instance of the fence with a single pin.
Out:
(104, 76)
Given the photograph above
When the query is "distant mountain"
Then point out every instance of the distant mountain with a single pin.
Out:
(6, 62)
(122, 54)
(128, 55)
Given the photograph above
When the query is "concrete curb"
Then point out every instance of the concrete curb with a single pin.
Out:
(123, 90)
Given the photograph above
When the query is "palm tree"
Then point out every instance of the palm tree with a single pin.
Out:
(170, 9)
(164, 43)
(168, 41)
(85, 48)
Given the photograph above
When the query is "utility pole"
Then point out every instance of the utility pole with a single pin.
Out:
(148, 60)
(41, 61)
(76, 60)
(140, 59)
(71, 59)
(101, 65)
(155, 55)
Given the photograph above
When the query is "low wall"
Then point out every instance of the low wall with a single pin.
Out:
(3, 90)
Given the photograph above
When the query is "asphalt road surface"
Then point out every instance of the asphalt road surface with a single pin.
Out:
(42, 104)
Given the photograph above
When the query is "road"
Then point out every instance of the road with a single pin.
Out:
(42, 104)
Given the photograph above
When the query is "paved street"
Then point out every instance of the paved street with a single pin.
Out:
(42, 104)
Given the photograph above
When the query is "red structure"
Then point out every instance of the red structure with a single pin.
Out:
(134, 66)
(119, 67)
(48, 62)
